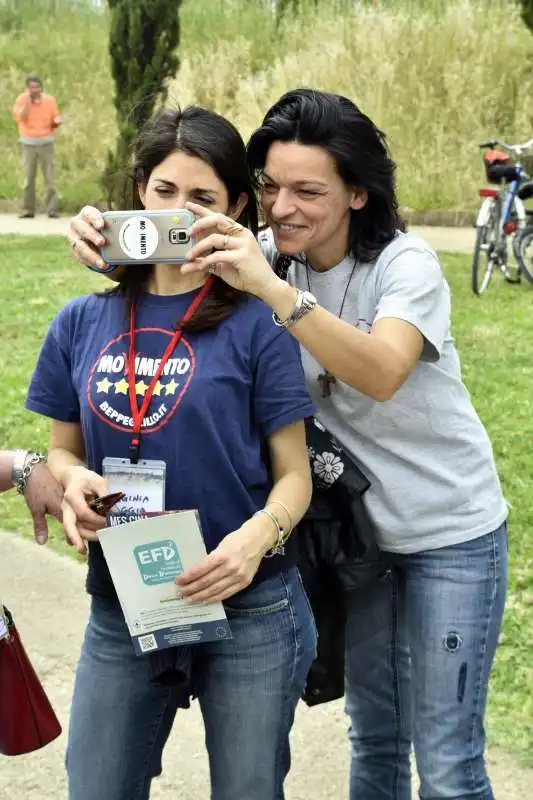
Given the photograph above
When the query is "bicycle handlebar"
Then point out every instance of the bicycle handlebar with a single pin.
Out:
(515, 148)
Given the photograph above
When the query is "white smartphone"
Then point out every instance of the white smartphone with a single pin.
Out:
(136, 237)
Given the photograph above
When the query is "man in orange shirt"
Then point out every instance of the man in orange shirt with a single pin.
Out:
(37, 116)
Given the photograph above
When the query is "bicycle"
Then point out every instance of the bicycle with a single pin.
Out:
(524, 238)
(502, 212)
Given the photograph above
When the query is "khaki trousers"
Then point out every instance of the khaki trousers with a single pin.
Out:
(32, 156)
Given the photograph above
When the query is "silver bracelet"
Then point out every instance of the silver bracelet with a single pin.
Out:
(305, 302)
(287, 512)
(278, 549)
(24, 462)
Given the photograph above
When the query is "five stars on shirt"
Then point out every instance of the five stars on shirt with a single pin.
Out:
(122, 387)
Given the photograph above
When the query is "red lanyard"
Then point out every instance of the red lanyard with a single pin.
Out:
(138, 414)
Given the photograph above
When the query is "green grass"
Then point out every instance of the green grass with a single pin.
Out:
(437, 76)
(39, 277)
(493, 336)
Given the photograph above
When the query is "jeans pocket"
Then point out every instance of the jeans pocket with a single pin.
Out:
(267, 597)
(255, 611)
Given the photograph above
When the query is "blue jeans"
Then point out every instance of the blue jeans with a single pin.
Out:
(420, 646)
(250, 686)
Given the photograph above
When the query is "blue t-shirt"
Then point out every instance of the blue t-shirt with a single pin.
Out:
(222, 392)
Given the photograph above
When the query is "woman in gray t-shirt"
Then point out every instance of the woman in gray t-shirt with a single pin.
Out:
(370, 308)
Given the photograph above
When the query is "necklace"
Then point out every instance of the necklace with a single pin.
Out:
(326, 378)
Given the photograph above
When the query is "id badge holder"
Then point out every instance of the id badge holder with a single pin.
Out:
(143, 485)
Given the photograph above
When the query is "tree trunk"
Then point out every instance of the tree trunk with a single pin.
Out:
(527, 13)
(143, 39)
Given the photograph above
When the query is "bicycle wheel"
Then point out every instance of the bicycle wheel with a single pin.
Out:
(524, 252)
(517, 218)
(484, 260)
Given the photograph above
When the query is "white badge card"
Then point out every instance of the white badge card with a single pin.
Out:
(143, 485)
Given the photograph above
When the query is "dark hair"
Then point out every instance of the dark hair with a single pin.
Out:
(357, 146)
(33, 78)
(212, 138)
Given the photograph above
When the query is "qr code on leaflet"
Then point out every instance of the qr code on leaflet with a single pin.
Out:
(147, 643)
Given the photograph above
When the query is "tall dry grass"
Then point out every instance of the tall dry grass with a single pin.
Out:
(437, 76)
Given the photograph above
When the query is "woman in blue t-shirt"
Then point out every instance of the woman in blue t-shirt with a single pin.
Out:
(226, 418)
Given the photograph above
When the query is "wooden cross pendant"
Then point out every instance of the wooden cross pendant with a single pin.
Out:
(326, 380)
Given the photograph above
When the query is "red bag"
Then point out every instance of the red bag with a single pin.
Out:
(27, 720)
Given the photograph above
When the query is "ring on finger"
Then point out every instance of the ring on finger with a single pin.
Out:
(225, 242)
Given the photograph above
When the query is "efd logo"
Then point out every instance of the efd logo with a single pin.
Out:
(158, 562)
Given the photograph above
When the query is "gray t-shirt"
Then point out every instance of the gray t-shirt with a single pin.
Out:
(425, 451)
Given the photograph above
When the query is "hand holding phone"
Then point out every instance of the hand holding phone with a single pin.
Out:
(151, 237)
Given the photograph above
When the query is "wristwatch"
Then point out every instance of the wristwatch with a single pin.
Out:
(24, 462)
(305, 302)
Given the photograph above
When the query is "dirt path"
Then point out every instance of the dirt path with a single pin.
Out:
(459, 240)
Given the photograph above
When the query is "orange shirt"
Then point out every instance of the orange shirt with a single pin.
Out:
(40, 119)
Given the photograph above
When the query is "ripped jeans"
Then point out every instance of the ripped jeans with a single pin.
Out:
(420, 646)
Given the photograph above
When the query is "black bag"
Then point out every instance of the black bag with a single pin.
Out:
(337, 554)
(500, 167)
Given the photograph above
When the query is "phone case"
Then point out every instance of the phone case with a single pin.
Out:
(151, 237)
